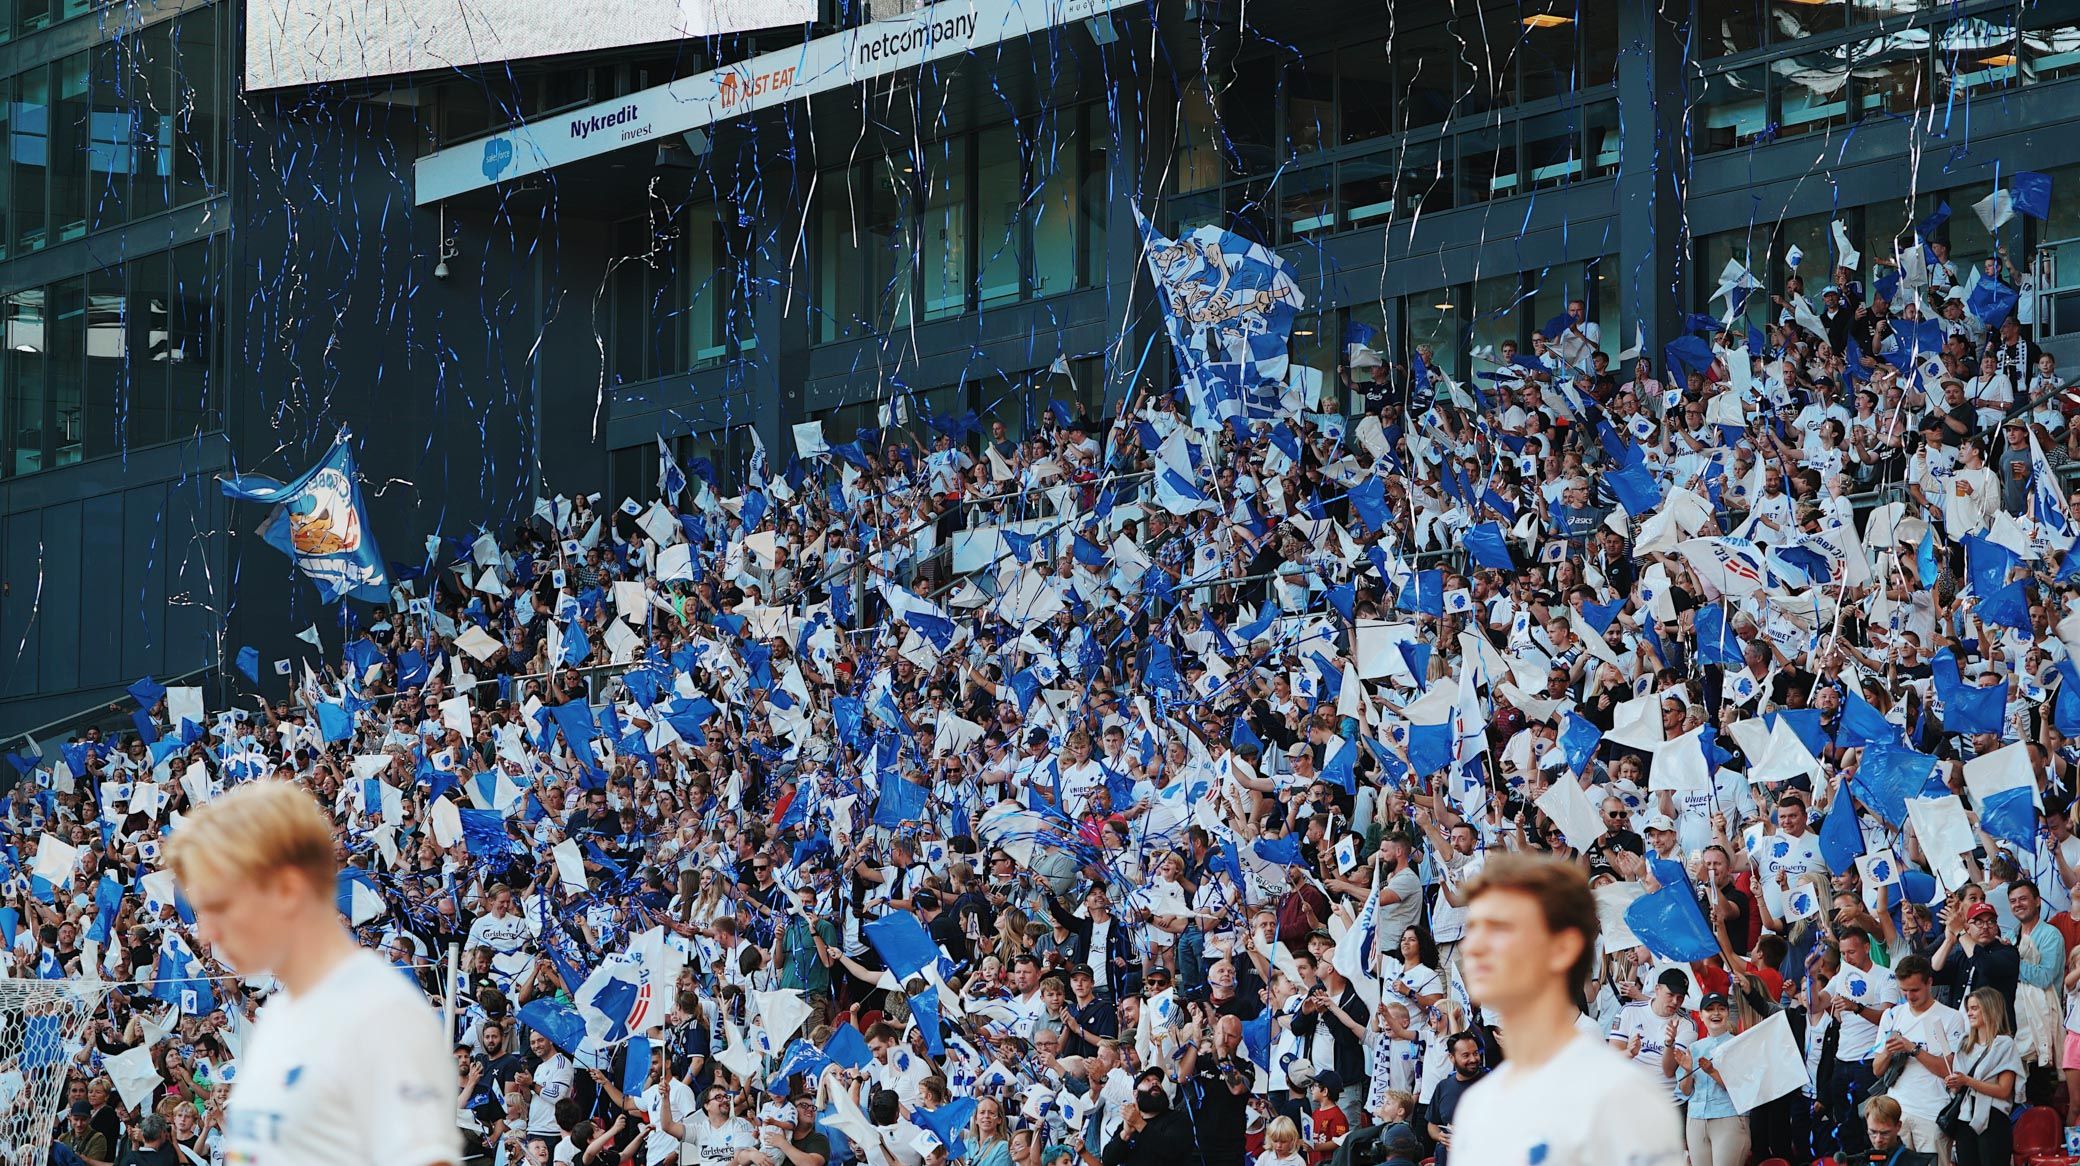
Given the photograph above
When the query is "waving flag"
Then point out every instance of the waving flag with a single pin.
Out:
(2065, 710)
(319, 522)
(2046, 497)
(564, 1027)
(2003, 785)
(1357, 953)
(1671, 925)
(1863, 724)
(906, 948)
(1734, 566)
(1887, 775)
(1228, 304)
(1841, 840)
(617, 1001)
(1180, 496)
(1369, 502)
(670, 478)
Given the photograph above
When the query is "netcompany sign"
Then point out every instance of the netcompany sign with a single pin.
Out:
(938, 31)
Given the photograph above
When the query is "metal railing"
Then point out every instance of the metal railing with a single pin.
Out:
(105, 715)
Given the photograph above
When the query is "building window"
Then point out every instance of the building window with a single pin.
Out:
(945, 246)
(1000, 236)
(68, 160)
(1498, 315)
(27, 421)
(1006, 214)
(29, 149)
(841, 308)
(1434, 328)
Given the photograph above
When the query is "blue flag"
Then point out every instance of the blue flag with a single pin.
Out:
(1488, 548)
(1578, 740)
(1971, 708)
(1925, 557)
(1342, 768)
(905, 946)
(1636, 489)
(1862, 724)
(1424, 594)
(1342, 597)
(559, 1022)
(848, 1048)
(1369, 501)
(1671, 925)
(2030, 194)
(2065, 711)
(1887, 775)
(320, 523)
(334, 722)
(147, 692)
(901, 802)
(924, 1012)
(1991, 302)
(1600, 616)
(1283, 850)
(1715, 640)
(1840, 838)
(2006, 606)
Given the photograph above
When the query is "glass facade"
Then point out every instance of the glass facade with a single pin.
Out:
(1790, 67)
(121, 357)
(126, 354)
(1500, 100)
(967, 223)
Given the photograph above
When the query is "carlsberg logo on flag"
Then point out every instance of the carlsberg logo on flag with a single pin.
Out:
(319, 522)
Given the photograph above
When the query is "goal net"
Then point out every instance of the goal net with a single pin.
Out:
(41, 1027)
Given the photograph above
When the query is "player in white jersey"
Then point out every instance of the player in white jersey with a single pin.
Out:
(1562, 1097)
(348, 1065)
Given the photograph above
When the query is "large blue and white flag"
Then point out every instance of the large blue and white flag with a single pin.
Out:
(616, 1001)
(2047, 496)
(671, 480)
(1229, 306)
(320, 523)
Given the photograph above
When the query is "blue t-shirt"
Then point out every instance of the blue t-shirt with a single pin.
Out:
(1708, 1098)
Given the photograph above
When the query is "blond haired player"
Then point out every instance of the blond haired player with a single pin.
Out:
(348, 1065)
(1561, 1096)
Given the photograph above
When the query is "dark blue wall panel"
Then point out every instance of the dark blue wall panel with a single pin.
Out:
(58, 629)
(101, 591)
(21, 568)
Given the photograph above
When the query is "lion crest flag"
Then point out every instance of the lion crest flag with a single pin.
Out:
(319, 522)
(1229, 306)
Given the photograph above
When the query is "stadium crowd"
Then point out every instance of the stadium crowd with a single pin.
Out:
(1106, 795)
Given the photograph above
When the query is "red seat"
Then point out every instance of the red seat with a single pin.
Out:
(2038, 1134)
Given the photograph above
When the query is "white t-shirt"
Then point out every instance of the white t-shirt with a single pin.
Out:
(900, 1142)
(1588, 1106)
(1873, 989)
(712, 1145)
(552, 1083)
(1941, 1031)
(314, 1090)
(1448, 923)
(658, 1145)
(1652, 1030)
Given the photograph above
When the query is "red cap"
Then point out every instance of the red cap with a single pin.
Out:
(1979, 909)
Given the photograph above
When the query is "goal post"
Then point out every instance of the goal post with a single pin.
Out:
(42, 1025)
